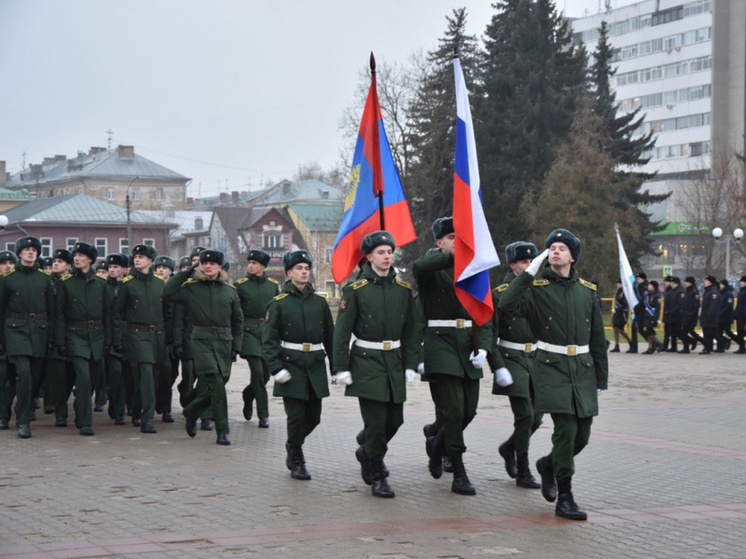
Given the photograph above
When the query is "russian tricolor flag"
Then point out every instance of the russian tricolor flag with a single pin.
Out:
(373, 178)
(475, 252)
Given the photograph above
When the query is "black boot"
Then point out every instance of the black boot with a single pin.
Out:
(524, 477)
(616, 349)
(461, 483)
(380, 487)
(299, 466)
(546, 471)
(447, 466)
(430, 430)
(566, 507)
(434, 447)
(360, 437)
(191, 426)
(365, 467)
(507, 451)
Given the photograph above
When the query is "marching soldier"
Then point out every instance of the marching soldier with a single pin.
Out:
(79, 329)
(255, 290)
(297, 331)
(571, 363)
(378, 309)
(511, 359)
(116, 264)
(449, 356)
(8, 261)
(139, 329)
(26, 299)
(169, 367)
(215, 313)
(690, 314)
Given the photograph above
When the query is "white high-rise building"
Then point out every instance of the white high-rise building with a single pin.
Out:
(684, 63)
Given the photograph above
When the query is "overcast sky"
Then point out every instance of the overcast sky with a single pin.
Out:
(227, 92)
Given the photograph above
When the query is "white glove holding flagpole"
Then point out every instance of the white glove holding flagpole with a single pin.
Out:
(537, 263)
(478, 358)
(503, 377)
(282, 376)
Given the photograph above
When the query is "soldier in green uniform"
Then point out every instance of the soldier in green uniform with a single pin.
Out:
(8, 261)
(450, 358)
(511, 359)
(116, 362)
(26, 300)
(139, 328)
(297, 331)
(378, 309)
(215, 313)
(255, 290)
(571, 364)
(80, 315)
(168, 369)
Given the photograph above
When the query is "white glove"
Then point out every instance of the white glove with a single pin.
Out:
(503, 377)
(342, 377)
(478, 358)
(410, 375)
(537, 263)
(282, 376)
(421, 368)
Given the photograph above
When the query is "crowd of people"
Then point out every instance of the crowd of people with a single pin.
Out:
(680, 307)
(127, 337)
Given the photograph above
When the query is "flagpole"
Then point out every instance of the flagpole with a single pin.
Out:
(377, 180)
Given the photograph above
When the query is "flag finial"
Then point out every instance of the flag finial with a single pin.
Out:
(372, 64)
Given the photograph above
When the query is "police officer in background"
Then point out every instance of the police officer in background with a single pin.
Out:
(297, 332)
(619, 318)
(725, 322)
(650, 318)
(215, 312)
(676, 313)
(511, 359)
(571, 363)
(8, 261)
(641, 289)
(26, 299)
(665, 312)
(378, 309)
(450, 356)
(709, 318)
(255, 291)
(690, 315)
(116, 264)
(740, 316)
(79, 329)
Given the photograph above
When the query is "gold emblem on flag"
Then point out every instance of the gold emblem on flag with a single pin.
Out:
(352, 183)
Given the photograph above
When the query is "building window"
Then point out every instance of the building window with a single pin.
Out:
(328, 255)
(101, 246)
(10, 246)
(46, 247)
(331, 288)
(135, 193)
(272, 241)
(111, 193)
(159, 194)
(124, 246)
(70, 242)
(149, 242)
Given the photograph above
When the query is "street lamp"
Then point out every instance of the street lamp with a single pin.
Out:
(737, 235)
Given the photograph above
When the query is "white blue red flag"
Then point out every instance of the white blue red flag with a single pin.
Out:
(626, 274)
(475, 252)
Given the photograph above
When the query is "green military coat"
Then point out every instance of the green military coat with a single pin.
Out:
(27, 304)
(562, 311)
(255, 293)
(447, 349)
(299, 317)
(215, 314)
(139, 320)
(182, 330)
(80, 314)
(109, 294)
(375, 309)
(512, 329)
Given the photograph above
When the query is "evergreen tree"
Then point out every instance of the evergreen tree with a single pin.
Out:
(533, 77)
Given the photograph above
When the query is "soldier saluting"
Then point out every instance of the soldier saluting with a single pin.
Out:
(298, 330)
(378, 309)
(571, 364)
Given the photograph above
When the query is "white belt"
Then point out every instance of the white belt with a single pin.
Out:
(528, 348)
(564, 349)
(385, 345)
(306, 347)
(458, 323)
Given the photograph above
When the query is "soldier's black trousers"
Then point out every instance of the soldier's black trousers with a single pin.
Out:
(59, 386)
(302, 418)
(525, 422)
(570, 437)
(458, 398)
(381, 422)
(87, 372)
(27, 369)
(117, 394)
(210, 394)
(257, 389)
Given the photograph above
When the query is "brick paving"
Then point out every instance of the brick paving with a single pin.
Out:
(662, 477)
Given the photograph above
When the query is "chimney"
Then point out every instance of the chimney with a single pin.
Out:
(199, 225)
(190, 200)
(126, 152)
(3, 175)
(234, 195)
(48, 160)
(286, 188)
(94, 150)
(223, 196)
(60, 157)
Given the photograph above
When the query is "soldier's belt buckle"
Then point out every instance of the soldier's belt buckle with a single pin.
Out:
(387, 345)
(459, 323)
(306, 347)
(572, 350)
(527, 348)
(90, 324)
(32, 316)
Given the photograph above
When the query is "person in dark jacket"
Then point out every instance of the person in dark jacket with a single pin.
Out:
(725, 326)
(665, 312)
(676, 312)
(619, 318)
(638, 312)
(690, 314)
(740, 315)
(652, 305)
(709, 318)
